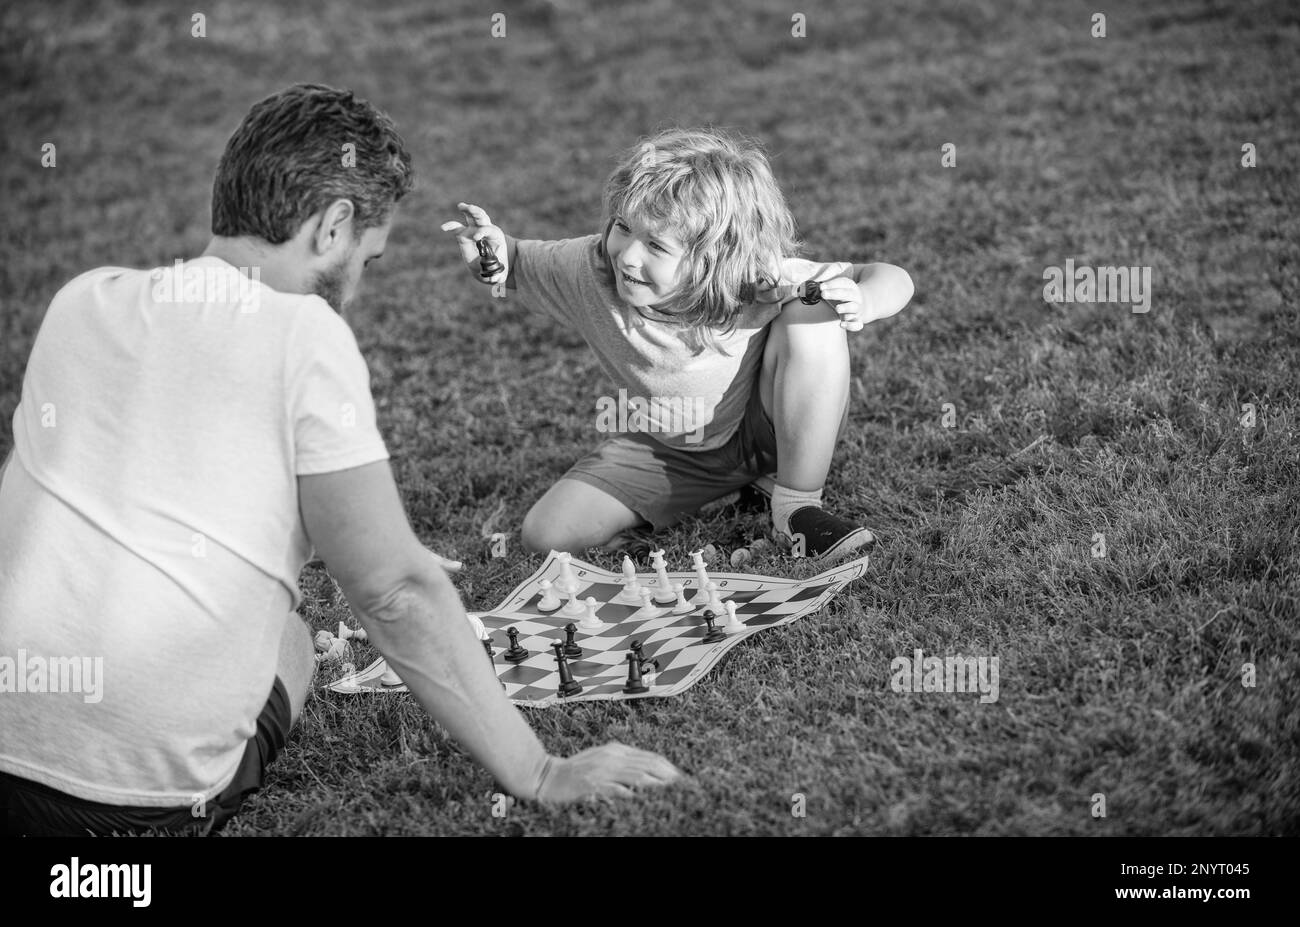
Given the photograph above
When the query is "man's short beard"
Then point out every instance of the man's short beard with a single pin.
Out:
(330, 283)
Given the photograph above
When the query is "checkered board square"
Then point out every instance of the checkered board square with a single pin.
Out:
(676, 642)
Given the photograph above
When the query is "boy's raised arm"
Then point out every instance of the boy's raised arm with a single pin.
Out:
(476, 227)
(885, 290)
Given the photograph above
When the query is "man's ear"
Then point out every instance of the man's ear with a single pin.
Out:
(334, 227)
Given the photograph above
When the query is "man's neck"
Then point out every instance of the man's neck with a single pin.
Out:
(273, 267)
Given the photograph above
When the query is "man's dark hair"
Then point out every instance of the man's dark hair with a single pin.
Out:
(288, 160)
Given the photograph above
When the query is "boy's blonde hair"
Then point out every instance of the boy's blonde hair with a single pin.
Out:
(714, 192)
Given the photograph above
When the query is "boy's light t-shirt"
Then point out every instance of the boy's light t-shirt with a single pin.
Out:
(150, 534)
(691, 401)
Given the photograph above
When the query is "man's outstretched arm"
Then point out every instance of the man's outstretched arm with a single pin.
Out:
(414, 616)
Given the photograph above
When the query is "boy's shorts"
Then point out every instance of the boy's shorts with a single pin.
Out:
(665, 484)
(31, 809)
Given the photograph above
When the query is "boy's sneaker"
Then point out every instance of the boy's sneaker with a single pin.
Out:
(827, 537)
(635, 542)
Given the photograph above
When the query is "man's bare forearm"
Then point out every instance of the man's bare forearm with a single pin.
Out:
(423, 633)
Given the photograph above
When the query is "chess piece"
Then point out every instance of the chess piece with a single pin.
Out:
(715, 599)
(648, 608)
(810, 292)
(712, 635)
(347, 634)
(549, 601)
(590, 620)
(701, 577)
(631, 594)
(567, 581)
(568, 686)
(390, 677)
(682, 607)
(663, 586)
(733, 622)
(515, 653)
(488, 263)
(571, 648)
(635, 684)
(574, 607)
(647, 666)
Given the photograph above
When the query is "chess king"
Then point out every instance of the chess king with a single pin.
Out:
(166, 537)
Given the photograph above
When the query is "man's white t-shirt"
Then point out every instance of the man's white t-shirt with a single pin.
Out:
(149, 522)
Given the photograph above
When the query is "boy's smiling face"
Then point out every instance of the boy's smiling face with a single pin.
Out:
(646, 261)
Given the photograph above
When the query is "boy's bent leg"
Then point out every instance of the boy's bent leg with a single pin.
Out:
(575, 515)
(804, 388)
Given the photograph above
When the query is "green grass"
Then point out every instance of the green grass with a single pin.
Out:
(1119, 675)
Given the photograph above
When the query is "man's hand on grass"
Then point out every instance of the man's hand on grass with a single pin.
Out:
(612, 770)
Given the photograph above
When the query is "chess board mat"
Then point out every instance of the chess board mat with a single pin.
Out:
(675, 641)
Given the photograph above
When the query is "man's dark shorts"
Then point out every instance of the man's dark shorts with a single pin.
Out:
(34, 810)
(664, 484)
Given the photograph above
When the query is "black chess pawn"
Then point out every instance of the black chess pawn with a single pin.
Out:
(567, 684)
(635, 684)
(571, 648)
(714, 634)
(489, 265)
(646, 665)
(516, 653)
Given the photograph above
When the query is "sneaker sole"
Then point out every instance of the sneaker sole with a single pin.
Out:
(850, 543)
(861, 539)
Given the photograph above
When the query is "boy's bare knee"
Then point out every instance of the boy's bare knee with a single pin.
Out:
(538, 533)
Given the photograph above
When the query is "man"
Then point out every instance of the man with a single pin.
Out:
(185, 437)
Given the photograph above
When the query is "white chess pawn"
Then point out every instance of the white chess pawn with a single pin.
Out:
(590, 621)
(390, 678)
(733, 622)
(550, 601)
(682, 607)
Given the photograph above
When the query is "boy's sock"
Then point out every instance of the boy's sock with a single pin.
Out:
(785, 502)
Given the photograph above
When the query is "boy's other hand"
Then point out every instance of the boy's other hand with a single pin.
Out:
(838, 289)
(478, 225)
